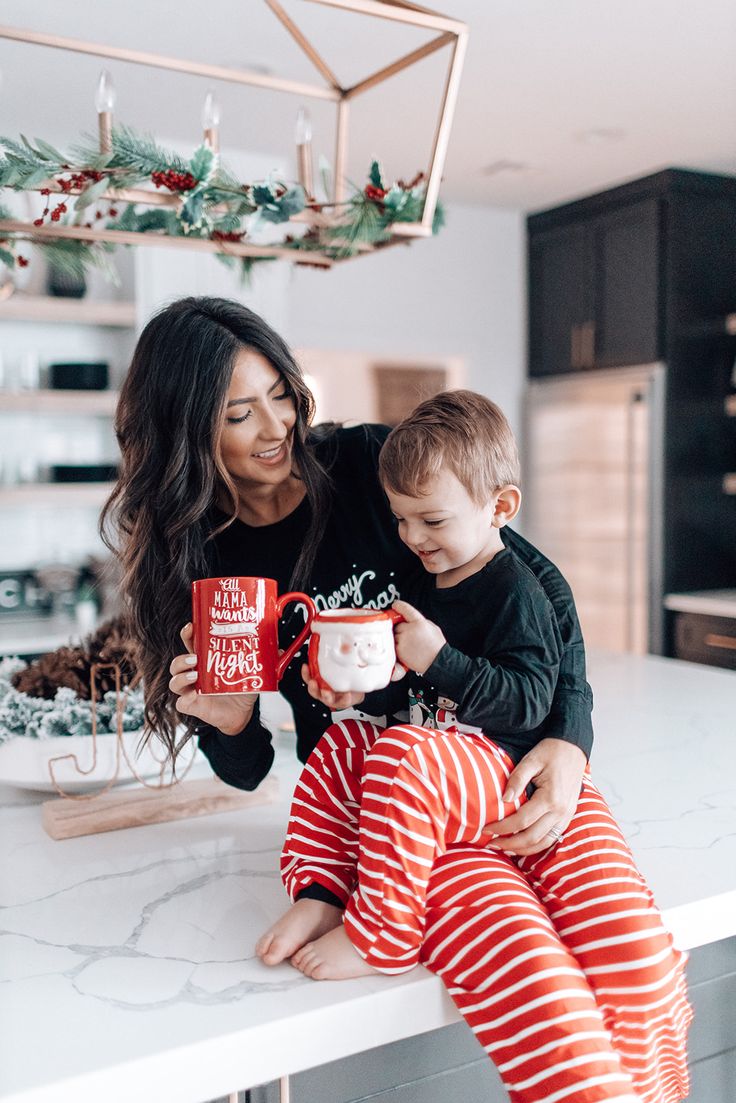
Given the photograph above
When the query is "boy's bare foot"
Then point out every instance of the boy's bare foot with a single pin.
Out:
(305, 920)
(332, 957)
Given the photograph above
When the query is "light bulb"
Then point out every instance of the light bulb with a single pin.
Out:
(105, 95)
(303, 127)
(211, 111)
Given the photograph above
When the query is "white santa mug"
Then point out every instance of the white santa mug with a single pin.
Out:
(352, 650)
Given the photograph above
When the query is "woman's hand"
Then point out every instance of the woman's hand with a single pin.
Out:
(556, 768)
(228, 712)
(331, 700)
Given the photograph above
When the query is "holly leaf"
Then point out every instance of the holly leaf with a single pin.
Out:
(7, 258)
(262, 195)
(203, 164)
(292, 202)
(91, 194)
(191, 214)
(395, 200)
(376, 175)
(283, 207)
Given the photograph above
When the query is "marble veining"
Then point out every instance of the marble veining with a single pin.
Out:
(127, 964)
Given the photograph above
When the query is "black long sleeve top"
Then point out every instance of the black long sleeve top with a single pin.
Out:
(362, 562)
(496, 674)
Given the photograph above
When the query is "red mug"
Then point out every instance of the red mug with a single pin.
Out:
(235, 622)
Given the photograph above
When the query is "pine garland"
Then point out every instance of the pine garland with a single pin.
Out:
(212, 205)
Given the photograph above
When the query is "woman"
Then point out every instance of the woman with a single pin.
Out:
(222, 475)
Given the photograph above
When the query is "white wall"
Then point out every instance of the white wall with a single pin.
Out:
(460, 294)
(458, 298)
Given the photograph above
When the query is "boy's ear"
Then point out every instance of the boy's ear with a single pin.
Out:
(507, 502)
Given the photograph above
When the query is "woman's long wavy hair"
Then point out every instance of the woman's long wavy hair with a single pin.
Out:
(159, 518)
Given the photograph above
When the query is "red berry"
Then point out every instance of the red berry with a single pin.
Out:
(38, 222)
(23, 262)
(374, 193)
(174, 181)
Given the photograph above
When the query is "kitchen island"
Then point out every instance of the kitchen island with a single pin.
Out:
(127, 958)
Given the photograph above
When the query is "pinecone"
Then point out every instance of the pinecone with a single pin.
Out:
(72, 666)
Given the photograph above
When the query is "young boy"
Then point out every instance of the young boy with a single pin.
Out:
(378, 811)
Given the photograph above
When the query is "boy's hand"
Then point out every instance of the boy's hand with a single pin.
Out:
(418, 640)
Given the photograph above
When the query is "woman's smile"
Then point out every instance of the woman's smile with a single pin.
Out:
(274, 455)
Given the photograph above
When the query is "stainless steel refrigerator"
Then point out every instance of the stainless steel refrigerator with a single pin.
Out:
(592, 483)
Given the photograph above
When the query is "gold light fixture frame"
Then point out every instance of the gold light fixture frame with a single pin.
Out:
(450, 33)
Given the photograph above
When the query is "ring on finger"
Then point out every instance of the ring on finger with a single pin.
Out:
(555, 832)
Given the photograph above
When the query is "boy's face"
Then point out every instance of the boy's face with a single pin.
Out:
(452, 535)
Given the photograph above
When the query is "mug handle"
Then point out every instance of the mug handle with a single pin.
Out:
(292, 649)
(397, 619)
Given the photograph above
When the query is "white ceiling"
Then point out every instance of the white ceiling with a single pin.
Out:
(656, 77)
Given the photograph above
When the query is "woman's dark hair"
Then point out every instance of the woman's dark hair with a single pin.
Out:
(159, 517)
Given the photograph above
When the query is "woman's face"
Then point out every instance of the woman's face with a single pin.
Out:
(257, 437)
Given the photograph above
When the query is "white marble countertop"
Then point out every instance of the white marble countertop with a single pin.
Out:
(127, 958)
(716, 603)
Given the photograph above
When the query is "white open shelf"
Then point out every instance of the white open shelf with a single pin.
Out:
(100, 403)
(56, 495)
(47, 308)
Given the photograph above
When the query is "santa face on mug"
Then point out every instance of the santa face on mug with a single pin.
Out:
(352, 649)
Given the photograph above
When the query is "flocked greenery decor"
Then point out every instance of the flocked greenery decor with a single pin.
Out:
(80, 190)
(65, 714)
(52, 695)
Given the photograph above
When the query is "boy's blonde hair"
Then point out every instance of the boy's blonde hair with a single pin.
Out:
(461, 430)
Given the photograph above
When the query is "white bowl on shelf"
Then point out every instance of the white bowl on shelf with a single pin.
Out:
(24, 762)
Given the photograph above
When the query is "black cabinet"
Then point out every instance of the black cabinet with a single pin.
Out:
(560, 297)
(626, 307)
(594, 287)
(640, 273)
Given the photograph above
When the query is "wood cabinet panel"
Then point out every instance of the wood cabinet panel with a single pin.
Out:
(702, 639)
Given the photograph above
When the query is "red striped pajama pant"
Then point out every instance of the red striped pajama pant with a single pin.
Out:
(558, 962)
